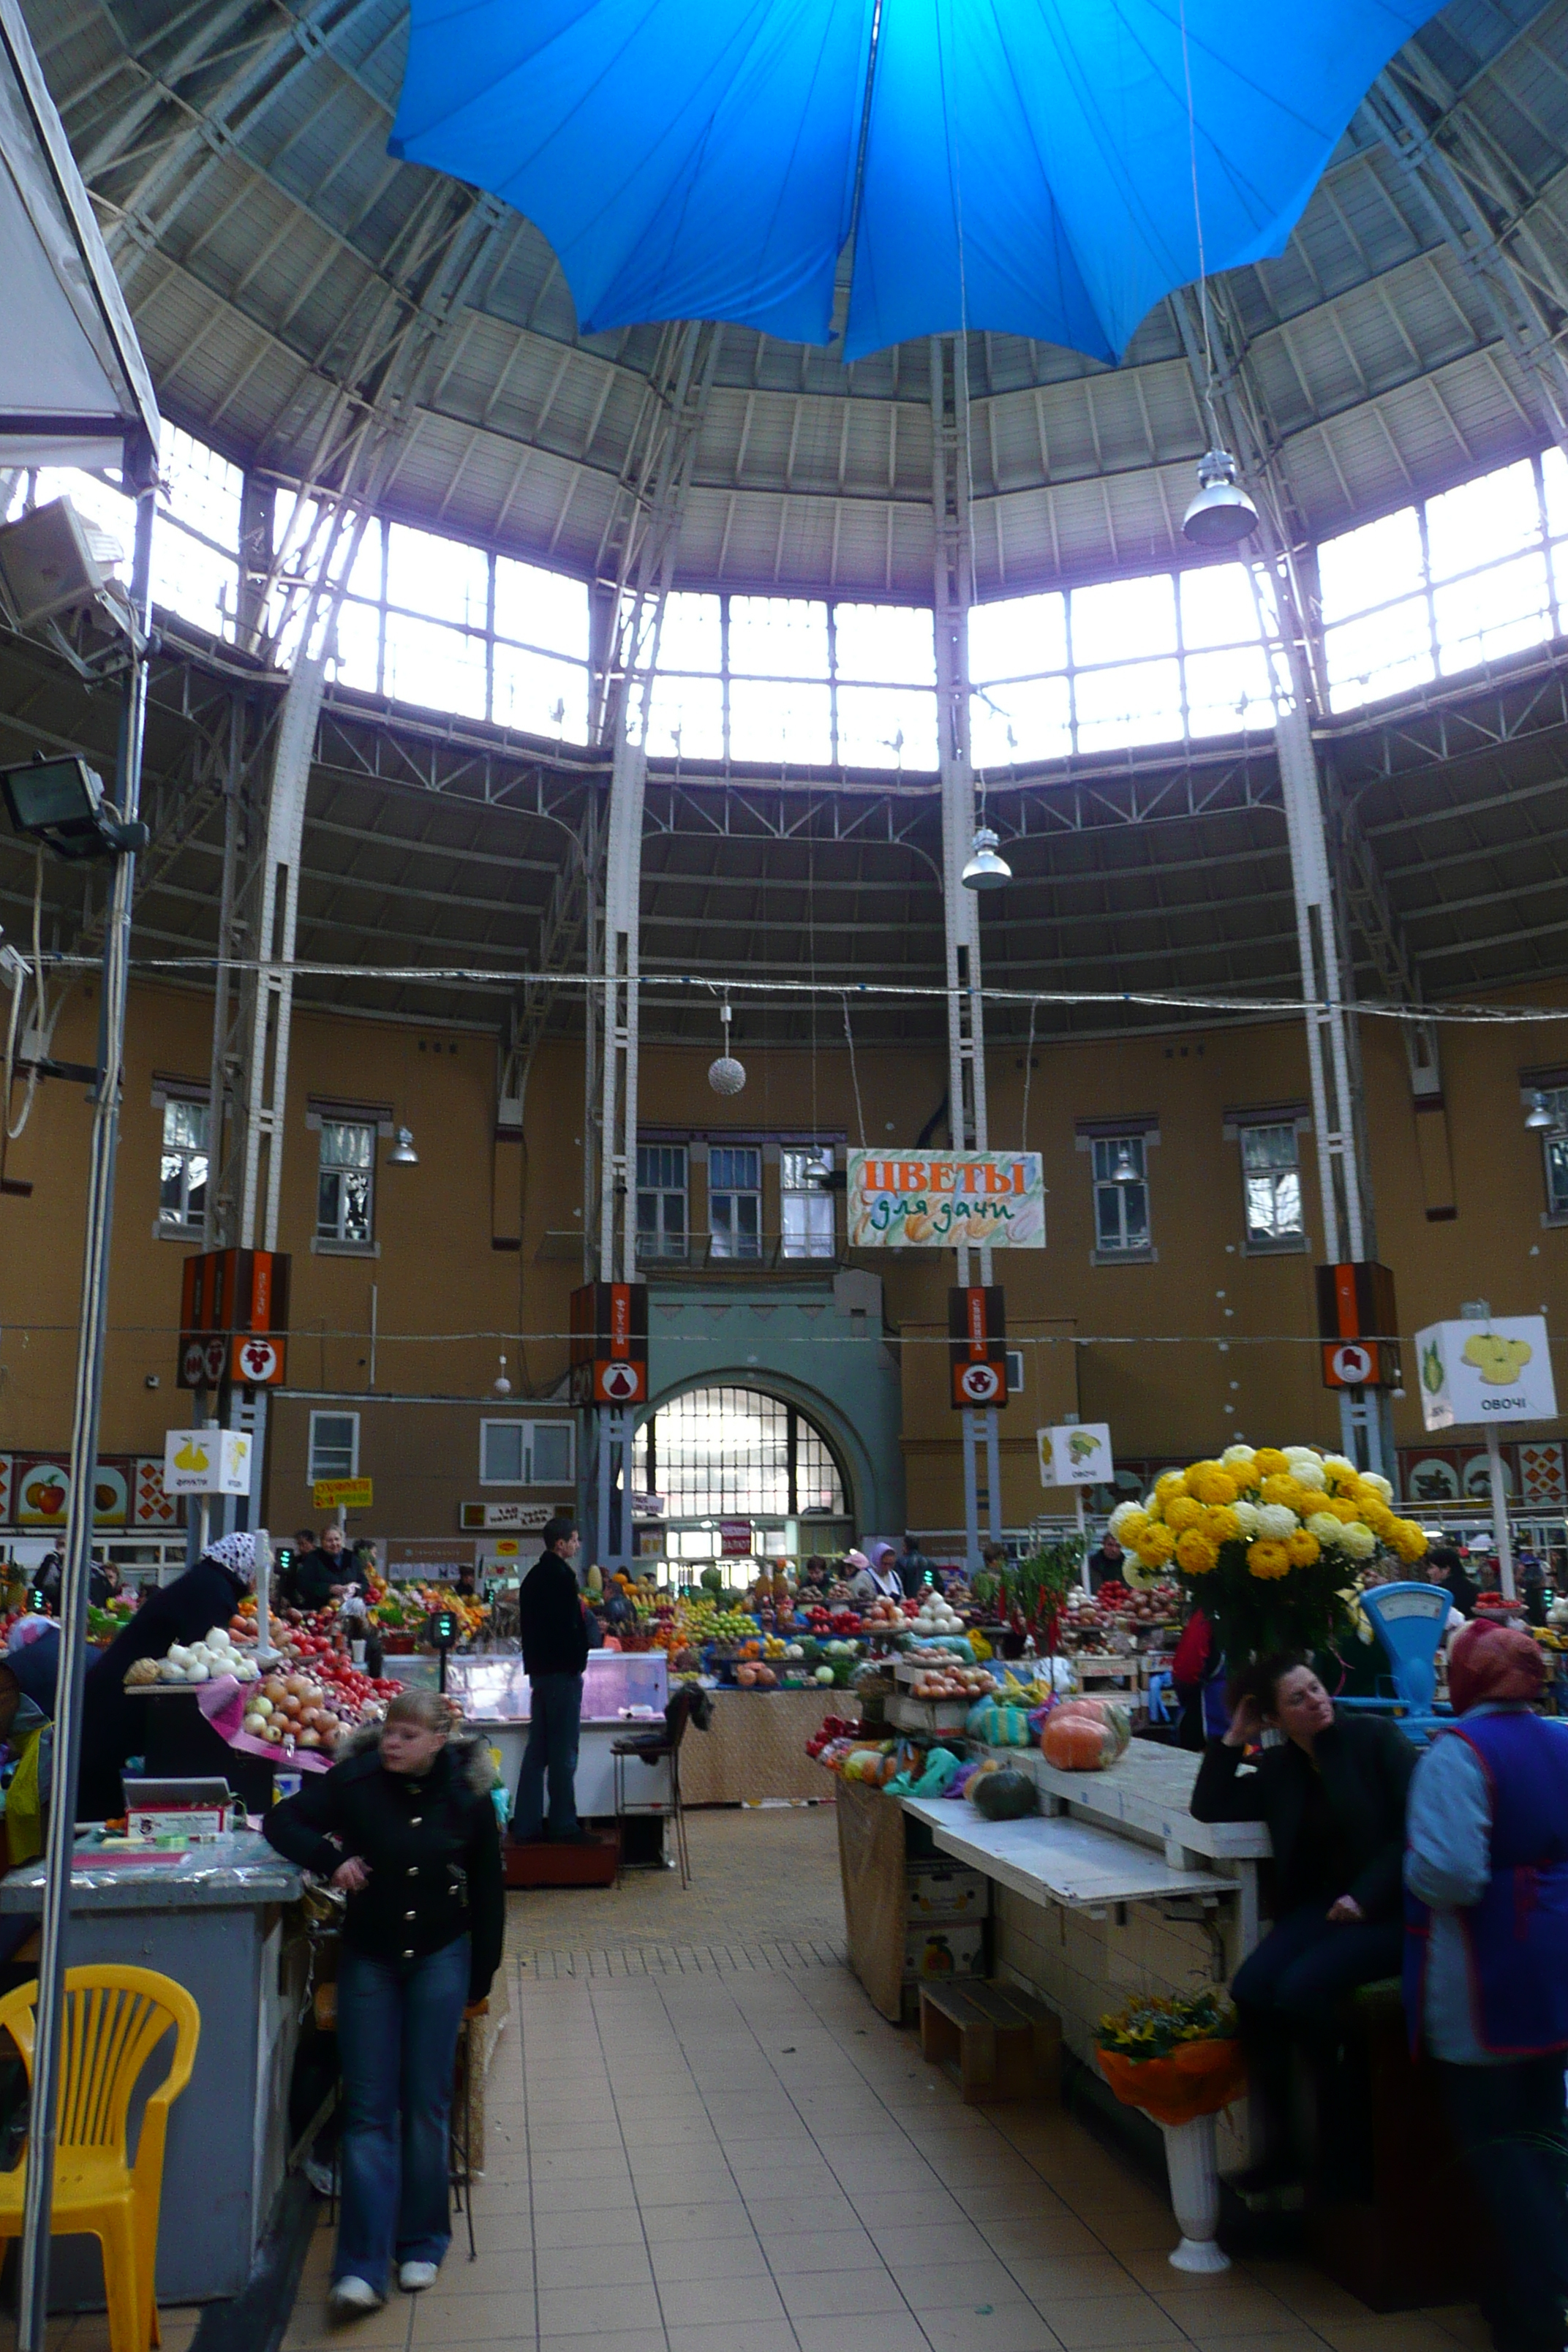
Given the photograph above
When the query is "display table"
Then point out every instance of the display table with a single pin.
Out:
(1060, 1860)
(623, 1692)
(215, 1919)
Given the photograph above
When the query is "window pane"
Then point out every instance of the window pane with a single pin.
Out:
(777, 636)
(441, 577)
(1557, 1174)
(436, 668)
(685, 718)
(1228, 692)
(1106, 1217)
(1029, 720)
(172, 1187)
(1372, 565)
(1135, 1214)
(1383, 653)
(1555, 483)
(1492, 614)
(806, 1220)
(692, 636)
(1018, 637)
(1122, 617)
(184, 1126)
(732, 1168)
(1218, 606)
(191, 579)
(769, 722)
(198, 486)
(882, 727)
(1265, 1147)
(333, 1445)
(539, 695)
(1141, 703)
(551, 1453)
(359, 647)
(884, 644)
(345, 1146)
(541, 608)
(501, 1453)
(1481, 521)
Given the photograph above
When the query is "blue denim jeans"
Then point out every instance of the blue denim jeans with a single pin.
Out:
(397, 2042)
(557, 1713)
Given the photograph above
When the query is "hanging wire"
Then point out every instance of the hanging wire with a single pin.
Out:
(40, 1022)
(960, 360)
(1198, 224)
(854, 1074)
(1028, 1073)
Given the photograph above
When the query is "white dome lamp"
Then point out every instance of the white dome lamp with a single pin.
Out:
(987, 869)
(1539, 1118)
(726, 1075)
(403, 1154)
(501, 1386)
(1222, 514)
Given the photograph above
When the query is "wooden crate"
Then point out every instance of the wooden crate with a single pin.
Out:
(995, 2043)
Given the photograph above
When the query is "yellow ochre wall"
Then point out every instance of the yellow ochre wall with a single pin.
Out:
(1137, 1345)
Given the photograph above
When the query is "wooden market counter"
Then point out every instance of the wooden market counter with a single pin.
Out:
(755, 1750)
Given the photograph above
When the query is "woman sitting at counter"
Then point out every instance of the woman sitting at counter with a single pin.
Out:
(1332, 1796)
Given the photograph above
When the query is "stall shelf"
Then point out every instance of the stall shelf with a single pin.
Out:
(216, 1919)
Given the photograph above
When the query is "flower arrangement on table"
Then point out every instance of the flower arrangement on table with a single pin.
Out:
(1175, 2055)
(1268, 1542)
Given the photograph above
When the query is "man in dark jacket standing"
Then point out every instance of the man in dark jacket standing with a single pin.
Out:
(554, 1654)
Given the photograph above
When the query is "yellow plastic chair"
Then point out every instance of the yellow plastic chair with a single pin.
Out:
(114, 2020)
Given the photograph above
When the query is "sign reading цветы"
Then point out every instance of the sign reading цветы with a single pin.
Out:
(1473, 1373)
(945, 1200)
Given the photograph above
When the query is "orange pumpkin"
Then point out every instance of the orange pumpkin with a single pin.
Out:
(1076, 1742)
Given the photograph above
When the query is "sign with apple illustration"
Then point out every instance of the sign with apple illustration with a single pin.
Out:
(1475, 1374)
(43, 1496)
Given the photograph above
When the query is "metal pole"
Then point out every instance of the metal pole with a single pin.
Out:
(34, 2299)
(1499, 1515)
(1088, 1580)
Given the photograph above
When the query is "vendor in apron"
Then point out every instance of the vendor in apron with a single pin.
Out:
(185, 1611)
(875, 1574)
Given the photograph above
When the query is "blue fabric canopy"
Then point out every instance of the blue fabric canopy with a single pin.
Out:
(1023, 165)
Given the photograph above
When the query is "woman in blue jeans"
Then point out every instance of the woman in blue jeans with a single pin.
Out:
(1332, 1794)
(405, 1826)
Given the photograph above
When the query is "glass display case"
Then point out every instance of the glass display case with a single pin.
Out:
(617, 1688)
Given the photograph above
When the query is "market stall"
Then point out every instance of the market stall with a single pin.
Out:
(217, 1918)
(620, 1694)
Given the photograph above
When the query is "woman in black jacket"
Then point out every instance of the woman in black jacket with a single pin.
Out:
(406, 1827)
(1332, 1796)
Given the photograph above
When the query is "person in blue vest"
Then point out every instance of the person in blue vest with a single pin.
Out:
(1486, 1963)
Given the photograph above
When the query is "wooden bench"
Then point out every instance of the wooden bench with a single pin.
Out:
(995, 2041)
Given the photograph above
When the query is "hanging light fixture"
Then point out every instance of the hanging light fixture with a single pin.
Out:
(726, 1075)
(1222, 513)
(403, 1154)
(501, 1385)
(1539, 1117)
(987, 869)
(1124, 1171)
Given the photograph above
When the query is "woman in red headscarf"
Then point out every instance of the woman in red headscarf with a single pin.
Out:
(1486, 1969)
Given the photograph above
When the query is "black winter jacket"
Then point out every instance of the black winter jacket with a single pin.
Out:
(550, 1618)
(1364, 1764)
(432, 1846)
(112, 1724)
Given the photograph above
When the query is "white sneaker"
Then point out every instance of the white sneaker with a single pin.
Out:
(415, 2277)
(350, 2298)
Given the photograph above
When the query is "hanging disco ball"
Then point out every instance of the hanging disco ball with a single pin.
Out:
(726, 1075)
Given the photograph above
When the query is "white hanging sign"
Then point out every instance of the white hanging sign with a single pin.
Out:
(946, 1200)
(1078, 1453)
(207, 1462)
(1479, 1375)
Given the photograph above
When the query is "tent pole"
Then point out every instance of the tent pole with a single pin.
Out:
(34, 2297)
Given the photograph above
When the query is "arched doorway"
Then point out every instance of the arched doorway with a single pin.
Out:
(744, 1476)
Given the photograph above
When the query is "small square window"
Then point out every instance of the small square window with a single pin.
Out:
(345, 1184)
(526, 1454)
(334, 1445)
(502, 1453)
(552, 1451)
(1271, 1185)
(183, 1168)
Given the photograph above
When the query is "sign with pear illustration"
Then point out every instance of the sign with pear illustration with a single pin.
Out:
(1076, 1454)
(207, 1462)
(1476, 1374)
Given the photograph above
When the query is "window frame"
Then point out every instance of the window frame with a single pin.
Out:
(338, 1238)
(185, 1228)
(1258, 1244)
(720, 1248)
(528, 1427)
(313, 1470)
(1125, 1251)
(662, 1192)
(817, 1196)
(1555, 1098)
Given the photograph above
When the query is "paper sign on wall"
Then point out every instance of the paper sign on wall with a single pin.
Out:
(1078, 1453)
(207, 1462)
(942, 1200)
(1475, 1374)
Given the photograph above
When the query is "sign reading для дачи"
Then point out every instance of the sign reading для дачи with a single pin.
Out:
(946, 1200)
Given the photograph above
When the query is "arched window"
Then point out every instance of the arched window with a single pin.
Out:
(726, 1451)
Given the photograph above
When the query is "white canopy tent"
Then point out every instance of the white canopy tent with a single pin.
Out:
(74, 388)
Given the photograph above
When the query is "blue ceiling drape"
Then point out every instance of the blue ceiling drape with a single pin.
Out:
(1022, 165)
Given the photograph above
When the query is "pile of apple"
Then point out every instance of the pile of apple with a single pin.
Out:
(313, 1695)
(953, 1682)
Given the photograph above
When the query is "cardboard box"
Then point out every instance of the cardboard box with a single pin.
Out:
(945, 1890)
(933, 1955)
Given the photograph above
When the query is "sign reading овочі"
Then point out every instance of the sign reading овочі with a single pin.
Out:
(946, 1200)
(1475, 1373)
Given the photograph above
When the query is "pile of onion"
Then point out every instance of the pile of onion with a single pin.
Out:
(285, 1706)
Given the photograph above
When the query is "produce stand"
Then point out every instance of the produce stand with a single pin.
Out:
(215, 1919)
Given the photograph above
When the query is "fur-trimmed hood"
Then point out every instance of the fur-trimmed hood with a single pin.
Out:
(470, 1751)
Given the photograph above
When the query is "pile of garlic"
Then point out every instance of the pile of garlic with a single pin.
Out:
(206, 1661)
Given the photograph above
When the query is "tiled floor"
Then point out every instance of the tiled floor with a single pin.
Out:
(719, 2162)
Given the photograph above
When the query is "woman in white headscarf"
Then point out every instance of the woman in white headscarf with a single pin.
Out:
(185, 1611)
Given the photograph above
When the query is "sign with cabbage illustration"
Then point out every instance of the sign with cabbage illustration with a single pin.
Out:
(939, 1200)
(1475, 1375)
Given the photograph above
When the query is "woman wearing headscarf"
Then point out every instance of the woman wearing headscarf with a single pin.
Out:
(185, 1611)
(875, 1574)
(1486, 1962)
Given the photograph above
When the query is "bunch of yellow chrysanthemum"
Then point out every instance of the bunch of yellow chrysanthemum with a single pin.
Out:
(1289, 1506)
